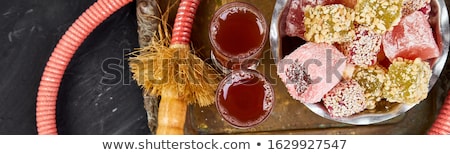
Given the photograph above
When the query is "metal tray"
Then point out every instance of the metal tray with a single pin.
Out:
(292, 117)
(439, 23)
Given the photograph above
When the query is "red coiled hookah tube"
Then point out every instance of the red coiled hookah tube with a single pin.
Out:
(74, 37)
(441, 125)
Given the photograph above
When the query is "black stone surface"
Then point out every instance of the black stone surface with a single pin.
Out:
(29, 30)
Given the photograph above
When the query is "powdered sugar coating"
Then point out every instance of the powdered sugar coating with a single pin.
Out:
(411, 39)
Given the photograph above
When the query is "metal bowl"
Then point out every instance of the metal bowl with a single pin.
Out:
(280, 43)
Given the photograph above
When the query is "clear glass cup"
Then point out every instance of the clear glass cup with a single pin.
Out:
(238, 33)
(245, 98)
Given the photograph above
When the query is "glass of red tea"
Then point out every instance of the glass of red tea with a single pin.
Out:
(238, 32)
(245, 98)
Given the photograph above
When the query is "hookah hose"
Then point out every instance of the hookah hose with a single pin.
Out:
(441, 125)
(61, 56)
(94, 16)
(74, 37)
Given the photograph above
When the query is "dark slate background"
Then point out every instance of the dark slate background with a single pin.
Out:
(29, 30)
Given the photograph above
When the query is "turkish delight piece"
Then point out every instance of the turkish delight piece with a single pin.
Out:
(329, 24)
(363, 49)
(311, 71)
(345, 99)
(407, 81)
(294, 18)
(379, 15)
(371, 79)
(411, 39)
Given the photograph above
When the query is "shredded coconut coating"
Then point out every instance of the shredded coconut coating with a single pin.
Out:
(410, 6)
(379, 15)
(407, 81)
(371, 79)
(329, 23)
(364, 48)
(345, 99)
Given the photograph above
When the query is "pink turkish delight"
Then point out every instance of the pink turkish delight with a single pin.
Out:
(411, 39)
(311, 71)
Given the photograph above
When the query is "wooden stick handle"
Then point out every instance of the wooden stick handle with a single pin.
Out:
(171, 113)
(172, 109)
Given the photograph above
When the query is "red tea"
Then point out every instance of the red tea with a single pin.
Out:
(244, 98)
(238, 30)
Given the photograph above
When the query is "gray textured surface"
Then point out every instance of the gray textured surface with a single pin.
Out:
(29, 30)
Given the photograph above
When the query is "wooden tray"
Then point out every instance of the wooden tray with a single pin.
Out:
(289, 116)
